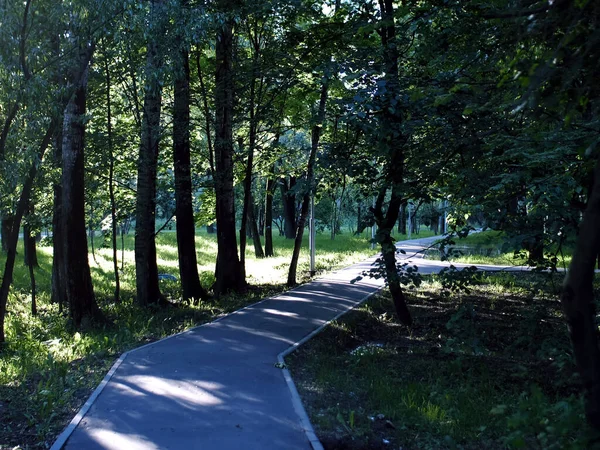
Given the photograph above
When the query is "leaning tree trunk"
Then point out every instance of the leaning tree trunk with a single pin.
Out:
(315, 137)
(79, 292)
(229, 272)
(11, 254)
(186, 230)
(578, 303)
(146, 269)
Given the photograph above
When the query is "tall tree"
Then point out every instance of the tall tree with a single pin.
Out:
(146, 268)
(186, 231)
(229, 272)
(78, 280)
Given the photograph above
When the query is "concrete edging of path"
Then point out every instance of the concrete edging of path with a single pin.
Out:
(296, 400)
(64, 436)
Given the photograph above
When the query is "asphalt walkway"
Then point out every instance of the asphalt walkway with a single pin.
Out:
(219, 385)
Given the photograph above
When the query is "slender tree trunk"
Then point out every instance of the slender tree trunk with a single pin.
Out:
(111, 184)
(229, 272)
(186, 229)
(248, 222)
(146, 269)
(334, 220)
(9, 264)
(269, 218)
(578, 303)
(78, 280)
(258, 250)
(92, 233)
(122, 248)
(30, 258)
(315, 137)
(29, 241)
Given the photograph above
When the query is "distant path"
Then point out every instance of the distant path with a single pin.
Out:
(217, 386)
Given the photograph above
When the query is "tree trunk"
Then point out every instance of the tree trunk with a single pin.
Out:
(269, 218)
(30, 257)
(29, 241)
(315, 137)
(391, 121)
(579, 303)
(111, 184)
(288, 199)
(92, 233)
(186, 228)
(6, 224)
(229, 272)
(146, 269)
(79, 292)
(258, 250)
(402, 221)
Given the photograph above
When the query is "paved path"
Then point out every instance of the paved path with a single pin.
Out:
(216, 386)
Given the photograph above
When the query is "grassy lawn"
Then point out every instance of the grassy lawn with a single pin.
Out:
(492, 247)
(47, 371)
(492, 369)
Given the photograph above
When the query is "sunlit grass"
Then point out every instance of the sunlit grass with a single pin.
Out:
(491, 247)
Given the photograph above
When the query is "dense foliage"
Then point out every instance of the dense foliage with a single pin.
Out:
(117, 115)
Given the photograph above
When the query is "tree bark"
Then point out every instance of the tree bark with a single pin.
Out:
(579, 303)
(229, 272)
(29, 244)
(185, 226)
(288, 199)
(6, 224)
(111, 184)
(79, 292)
(146, 269)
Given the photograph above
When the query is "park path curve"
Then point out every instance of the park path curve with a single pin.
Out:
(219, 385)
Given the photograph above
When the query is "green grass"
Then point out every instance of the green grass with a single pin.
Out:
(47, 370)
(493, 247)
(492, 369)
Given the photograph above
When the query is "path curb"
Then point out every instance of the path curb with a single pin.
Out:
(296, 400)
